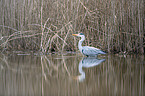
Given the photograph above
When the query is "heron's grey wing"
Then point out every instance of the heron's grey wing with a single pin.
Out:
(91, 51)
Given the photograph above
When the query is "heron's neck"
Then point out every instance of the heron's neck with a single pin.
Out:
(80, 42)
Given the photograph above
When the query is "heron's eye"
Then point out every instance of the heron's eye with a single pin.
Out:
(81, 34)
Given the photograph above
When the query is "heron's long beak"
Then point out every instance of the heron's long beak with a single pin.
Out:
(75, 34)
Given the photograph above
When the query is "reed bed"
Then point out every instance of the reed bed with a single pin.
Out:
(46, 25)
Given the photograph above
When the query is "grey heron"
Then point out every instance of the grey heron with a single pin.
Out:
(87, 50)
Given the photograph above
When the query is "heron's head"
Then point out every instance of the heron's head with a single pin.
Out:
(79, 35)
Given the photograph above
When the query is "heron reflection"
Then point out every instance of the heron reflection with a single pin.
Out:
(87, 62)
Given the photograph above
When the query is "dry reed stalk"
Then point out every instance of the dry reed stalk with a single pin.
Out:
(113, 26)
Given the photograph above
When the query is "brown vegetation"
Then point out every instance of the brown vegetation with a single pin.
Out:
(113, 26)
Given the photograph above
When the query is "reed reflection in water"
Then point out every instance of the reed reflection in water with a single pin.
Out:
(53, 75)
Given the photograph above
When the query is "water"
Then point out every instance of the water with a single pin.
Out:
(70, 74)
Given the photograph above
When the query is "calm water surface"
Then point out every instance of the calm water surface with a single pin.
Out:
(71, 75)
